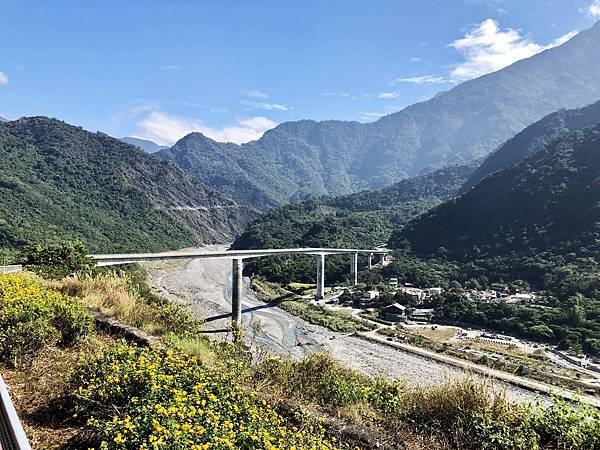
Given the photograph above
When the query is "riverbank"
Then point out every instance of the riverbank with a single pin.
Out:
(204, 286)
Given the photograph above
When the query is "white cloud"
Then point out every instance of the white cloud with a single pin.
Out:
(593, 10)
(166, 129)
(3, 78)
(370, 116)
(172, 67)
(255, 93)
(267, 106)
(486, 48)
(424, 79)
(337, 94)
(388, 95)
(415, 59)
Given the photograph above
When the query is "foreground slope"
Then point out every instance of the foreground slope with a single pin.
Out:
(302, 158)
(540, 214)
(58, 181)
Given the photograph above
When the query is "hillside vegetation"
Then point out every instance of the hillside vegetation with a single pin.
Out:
(58, 182)
(364, 220)
(534, 138)
(309, 158)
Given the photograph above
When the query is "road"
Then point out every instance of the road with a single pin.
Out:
(204, 285)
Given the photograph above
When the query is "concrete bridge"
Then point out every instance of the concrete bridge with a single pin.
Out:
(238, 256)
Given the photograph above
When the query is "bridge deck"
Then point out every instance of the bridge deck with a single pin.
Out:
(111, 259)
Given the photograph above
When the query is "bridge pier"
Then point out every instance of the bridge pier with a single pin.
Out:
(320, 276)
(370, 261)
(236, 290)
(354, 269)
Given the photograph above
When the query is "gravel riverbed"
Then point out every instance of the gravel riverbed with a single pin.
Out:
(204, 285)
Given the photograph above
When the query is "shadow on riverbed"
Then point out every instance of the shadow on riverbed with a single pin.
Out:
(272, 304)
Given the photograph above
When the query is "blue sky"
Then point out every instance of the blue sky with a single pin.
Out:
(232, 69)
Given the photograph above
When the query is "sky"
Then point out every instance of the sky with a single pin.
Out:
(232, 69)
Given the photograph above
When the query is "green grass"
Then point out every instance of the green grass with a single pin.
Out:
(340, 321)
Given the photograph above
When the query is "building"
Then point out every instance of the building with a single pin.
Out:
(367, 297)
(422, 314)
(394, 313)
(434, 291)
(416, 294)
(393, 281)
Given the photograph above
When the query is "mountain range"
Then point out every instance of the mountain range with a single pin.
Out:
(309, 158)
(534, 138)
(58, 181)
(145, 144)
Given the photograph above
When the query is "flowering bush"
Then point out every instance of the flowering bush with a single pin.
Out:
(142, 398)
(32, 316)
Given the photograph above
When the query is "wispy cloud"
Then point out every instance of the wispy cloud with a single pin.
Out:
(593, 10)
(255, 93)
(266, 106)
(387, 95)
(415, 59)
(3, 78)
(487, 48)
(493, 4)
(371, 116)
(172, 67)
(166, 129)
(423, 79)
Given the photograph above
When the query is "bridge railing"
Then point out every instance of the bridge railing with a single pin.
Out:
(12, 435)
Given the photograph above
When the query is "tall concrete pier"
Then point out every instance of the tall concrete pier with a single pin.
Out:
(354, 269)
(320, 276)
(236, 289)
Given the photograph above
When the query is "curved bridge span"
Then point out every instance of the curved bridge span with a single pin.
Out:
(238, 256)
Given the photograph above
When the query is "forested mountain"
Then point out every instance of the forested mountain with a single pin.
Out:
(58, 181)
(302, 158)
(144, 144)
(2, 119)
(526, 220)
(534, 138)
(364, 219)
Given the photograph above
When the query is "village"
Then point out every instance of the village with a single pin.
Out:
(408, 314)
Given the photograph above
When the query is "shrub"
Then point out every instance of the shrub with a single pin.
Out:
(58, 260)
(32, 316)
(141, 398)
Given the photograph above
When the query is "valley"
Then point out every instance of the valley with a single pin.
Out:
(203, 286)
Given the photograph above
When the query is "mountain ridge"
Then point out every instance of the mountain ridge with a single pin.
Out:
(308, 158)
(62, 182)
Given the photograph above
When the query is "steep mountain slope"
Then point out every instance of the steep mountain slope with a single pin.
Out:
(302, 158)
(144, 144)
(58, 181)
(538, 214)
(364, 219)
(534, 138)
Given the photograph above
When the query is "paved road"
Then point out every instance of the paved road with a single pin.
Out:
(205, 286)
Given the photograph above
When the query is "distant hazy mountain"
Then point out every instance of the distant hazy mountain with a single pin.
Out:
(2, 119)
(540, 213)
(303, 158)
(58, 181)
(144, 144)
(534, 138)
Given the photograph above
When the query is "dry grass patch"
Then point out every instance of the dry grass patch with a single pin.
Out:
(112, 295)
(38, 388)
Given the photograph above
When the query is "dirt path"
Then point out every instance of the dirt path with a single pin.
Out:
(204, 285)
